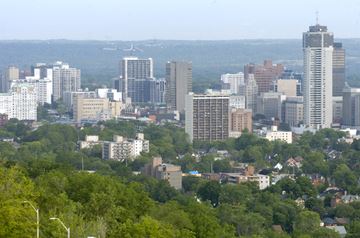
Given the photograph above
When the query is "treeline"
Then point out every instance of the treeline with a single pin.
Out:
(44, 168)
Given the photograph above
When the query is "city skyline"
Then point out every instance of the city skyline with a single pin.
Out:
(160, 19)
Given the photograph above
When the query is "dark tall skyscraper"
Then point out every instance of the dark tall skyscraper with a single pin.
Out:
(338, 69)
(133, 68)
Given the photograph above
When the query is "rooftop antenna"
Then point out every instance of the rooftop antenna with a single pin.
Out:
(317, 17)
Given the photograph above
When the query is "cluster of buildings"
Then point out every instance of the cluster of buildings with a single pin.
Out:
(315, 99)
(22, 92)
(120, 149)
(246, 174)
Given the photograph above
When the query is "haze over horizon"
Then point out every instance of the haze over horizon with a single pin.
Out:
(174, 20)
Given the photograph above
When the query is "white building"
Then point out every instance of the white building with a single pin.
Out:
(65, 79)
(234, 81)
(263, 181)
(20, 102)
(318, 69)
(123, 149)
(110, 93)
(274, 134)
(250, 90)
(237, 102)
(89, 142)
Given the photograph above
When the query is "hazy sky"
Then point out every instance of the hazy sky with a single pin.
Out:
(174, 19)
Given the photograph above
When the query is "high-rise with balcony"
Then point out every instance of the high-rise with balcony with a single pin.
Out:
(318, 77)
(178, 84)
(207, 116)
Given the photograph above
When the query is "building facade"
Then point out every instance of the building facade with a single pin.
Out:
(133, 68)
(339, 76)
(240, 119)
(20, 102)
(264, 74)
(65, 79)
(293, 111)
(351, 107)
(95, 109)
(178, 84)
(124, 149)
(233, 80)
(207, 116)
(318, 77)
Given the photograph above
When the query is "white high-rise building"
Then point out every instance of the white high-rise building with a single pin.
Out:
(20, 102)
(65, 79)
(250, 91)
(234, 81)
(318, 69)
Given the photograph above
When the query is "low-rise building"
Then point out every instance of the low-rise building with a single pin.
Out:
(90, 141)
(95, 109)
(263, 181)
(123, 149)
(162, 171)
(274, 134)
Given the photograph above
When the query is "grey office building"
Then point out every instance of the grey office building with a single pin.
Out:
(178, 84)
(351, 106)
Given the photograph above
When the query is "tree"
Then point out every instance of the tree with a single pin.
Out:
(306, 222)
(210, 191)
(345, 178)
(16, 218)
(354, 229)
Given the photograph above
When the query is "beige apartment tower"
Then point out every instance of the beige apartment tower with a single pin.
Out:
(178, 84)
(241, 119)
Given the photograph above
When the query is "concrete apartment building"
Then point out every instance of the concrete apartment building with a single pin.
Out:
(318, 77)
(124, 149)
(163, 171)
(207, 116)
(178, 84)
(240, 119)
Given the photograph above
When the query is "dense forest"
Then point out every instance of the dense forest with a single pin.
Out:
(106, 199)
